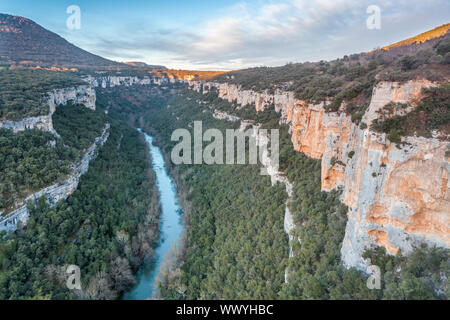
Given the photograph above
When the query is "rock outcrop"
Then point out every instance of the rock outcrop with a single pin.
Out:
(43, 123)
(84, 94)
(270, 169)
(114, 81)
(58, 191)
(398, 196)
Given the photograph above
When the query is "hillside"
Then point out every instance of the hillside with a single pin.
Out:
(351, 79)
(23, 42)
(144, 65)
(22, 91)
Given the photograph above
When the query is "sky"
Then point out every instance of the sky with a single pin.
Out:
(231, 34)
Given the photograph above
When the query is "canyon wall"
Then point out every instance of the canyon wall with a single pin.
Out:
(398, 195)
(128, 81)
(58, 191)
(84, 94)
(114, 81)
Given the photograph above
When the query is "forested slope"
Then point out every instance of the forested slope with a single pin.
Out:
(107, 227)
(221, 255)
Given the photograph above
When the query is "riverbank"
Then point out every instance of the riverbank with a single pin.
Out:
(171, 229)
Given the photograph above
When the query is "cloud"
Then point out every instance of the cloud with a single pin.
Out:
(275, 33)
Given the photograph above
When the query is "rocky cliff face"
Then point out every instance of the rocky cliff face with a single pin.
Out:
(398, 196)
(78, 95)
(128, 81)
(58, 191)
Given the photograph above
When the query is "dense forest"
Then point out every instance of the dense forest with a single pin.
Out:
(77, 125)
(22, 91)
(107, 227)
(351, 78)
(236, 246)
(29, 161)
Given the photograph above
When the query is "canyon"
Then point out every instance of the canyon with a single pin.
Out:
(222, 232)
(397, 194)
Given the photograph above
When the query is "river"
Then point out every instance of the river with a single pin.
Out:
(171, 227)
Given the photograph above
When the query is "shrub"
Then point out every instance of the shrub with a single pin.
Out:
(407, 63)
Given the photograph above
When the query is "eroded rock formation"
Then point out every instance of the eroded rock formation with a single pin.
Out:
(398, 196)
(128, 81)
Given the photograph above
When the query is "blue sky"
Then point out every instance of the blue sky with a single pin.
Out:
(231, 34)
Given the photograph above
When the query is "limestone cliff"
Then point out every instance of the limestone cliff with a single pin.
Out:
(85, 95)
(114, 81)
(128, 81)
(398, 196)
(58, 191)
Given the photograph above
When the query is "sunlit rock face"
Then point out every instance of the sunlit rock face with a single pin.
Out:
(398, 196)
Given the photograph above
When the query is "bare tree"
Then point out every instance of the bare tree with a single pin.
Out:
(121, 274)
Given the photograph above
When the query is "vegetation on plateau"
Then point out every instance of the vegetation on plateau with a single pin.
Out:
(78, 126)
(29, 161)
